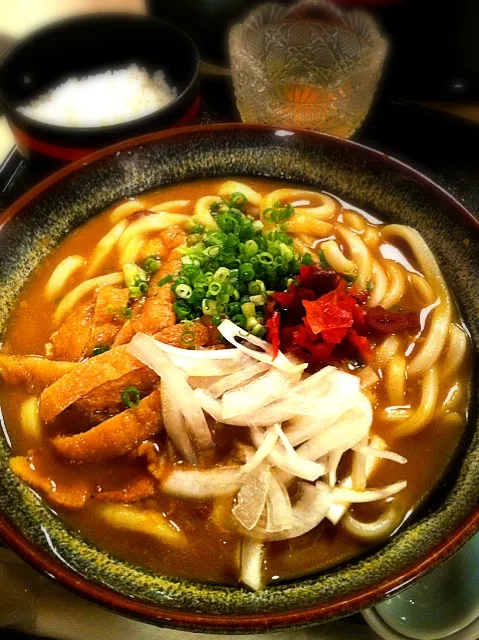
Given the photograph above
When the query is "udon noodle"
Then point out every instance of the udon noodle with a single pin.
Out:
(250, 381)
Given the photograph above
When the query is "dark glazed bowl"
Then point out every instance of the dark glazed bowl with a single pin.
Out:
(87, 45)
(41, 218)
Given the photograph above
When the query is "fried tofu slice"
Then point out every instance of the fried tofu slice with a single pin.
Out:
(195, 334)
(107, 319)
(158, 312)
(105, 400)
(87, 376)
(70, 341)
(125, 334)
(68, 496)
(33, 370)
(116, 436)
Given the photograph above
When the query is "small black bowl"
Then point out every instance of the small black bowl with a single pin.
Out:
(84, 46)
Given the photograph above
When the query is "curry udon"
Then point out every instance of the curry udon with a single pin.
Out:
(235, 380)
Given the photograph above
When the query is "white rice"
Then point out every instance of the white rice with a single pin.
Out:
(102, 99)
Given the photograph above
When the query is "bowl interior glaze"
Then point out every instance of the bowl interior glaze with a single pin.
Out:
(39, 220)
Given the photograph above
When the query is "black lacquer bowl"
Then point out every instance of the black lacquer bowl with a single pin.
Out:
(83, 46)
(40, 219)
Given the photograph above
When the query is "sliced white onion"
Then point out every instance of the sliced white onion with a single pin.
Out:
(175, 423)
(231, 331)
(309, 510)
(258, 393)
(336, 392)
(368, 495)
(343, 434)
(210, 366)
(209, 404)
(251, 498)
(334, 458)
(237, 379)
(377, 443)
(262, 452)
(302, 428)
(282, 410)
(196, 484)
(251, 567)
(338, 509)
(334, 387)
(378, 453)
(198, 354)
(358, 467)
(287, 459)
(146, 349)
(278, 506)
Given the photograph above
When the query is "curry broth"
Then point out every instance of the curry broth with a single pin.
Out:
(212, 553)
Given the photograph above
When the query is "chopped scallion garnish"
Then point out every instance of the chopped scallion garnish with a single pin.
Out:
(165, 280)
(151, 265)
(130, 397)
(230, 263)
(96, 351)
(187, 337)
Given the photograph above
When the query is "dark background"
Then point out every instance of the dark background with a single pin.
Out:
(434, 44)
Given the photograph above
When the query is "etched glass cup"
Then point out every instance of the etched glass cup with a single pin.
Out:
(310, 66)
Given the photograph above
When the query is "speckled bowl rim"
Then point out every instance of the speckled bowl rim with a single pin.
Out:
(241, 623)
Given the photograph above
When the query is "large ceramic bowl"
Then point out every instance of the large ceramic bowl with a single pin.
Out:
(377, 182)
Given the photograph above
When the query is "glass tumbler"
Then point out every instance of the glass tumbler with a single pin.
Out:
(310, 66)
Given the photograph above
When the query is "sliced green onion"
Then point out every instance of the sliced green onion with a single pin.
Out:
(165, 280)
(248, 309)
(227, 222)
(259, 331)
(96, 351)
(234, 309)
(240, 320)
(216, 320)
(222, 274)
(223, 208)
(287, 252)
(265, 258)
(182, 309)
(151, 265)
(183, 291)
(256, 287)
(209, 307)
(251, 322)
(124, 312)
(187, 337)
(270, 215)
(246, 272)
(130, 397)
(251, 247)
(212, 252)
(214, 288)
(238, 199)
(228, 269)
